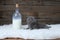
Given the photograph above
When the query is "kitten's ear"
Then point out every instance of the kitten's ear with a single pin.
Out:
(28, 16)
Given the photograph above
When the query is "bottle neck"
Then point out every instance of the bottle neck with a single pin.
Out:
(17, 10)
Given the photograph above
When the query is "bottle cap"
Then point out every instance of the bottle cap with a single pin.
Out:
(17, 5)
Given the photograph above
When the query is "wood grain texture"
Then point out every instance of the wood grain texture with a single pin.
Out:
(27, 39)
(46, 11)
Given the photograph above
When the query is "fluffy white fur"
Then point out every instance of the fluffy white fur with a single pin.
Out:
(8, 31)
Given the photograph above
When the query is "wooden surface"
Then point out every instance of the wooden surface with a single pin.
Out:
(27, 39)
(46, 11)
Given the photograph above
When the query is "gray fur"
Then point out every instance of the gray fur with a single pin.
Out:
(33, 24)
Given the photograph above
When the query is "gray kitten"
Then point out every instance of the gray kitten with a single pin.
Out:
(33, 24)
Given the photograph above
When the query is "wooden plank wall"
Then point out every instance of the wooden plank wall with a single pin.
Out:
(46, 11)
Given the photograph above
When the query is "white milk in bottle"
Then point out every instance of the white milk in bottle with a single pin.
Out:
(16, 19)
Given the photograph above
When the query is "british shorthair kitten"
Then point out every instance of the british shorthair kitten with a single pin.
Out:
(33, 23)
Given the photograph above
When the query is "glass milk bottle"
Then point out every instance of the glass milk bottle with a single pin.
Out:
(16, 19)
